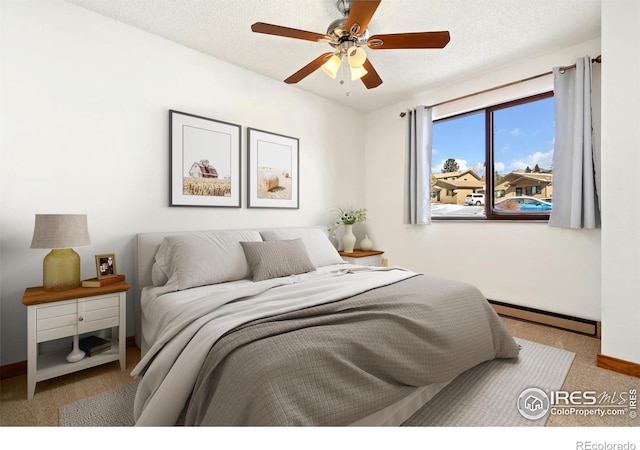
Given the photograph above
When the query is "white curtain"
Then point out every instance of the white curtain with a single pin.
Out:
(575, 197)
(417, 190)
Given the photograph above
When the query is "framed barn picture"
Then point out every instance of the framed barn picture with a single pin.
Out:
(273, 170)
(205, 161)
(106, 266)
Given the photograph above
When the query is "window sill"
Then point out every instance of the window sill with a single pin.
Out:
(511, 219)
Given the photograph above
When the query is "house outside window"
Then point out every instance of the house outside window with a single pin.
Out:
(514, 142)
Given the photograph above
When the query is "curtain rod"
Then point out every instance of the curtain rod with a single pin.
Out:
(597, 59)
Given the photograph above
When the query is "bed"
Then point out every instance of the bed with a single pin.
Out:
(272, 328)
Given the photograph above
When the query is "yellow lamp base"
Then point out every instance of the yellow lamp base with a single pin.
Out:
(61, 270)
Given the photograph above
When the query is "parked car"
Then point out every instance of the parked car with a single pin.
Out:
(524, 204)
(474, 199)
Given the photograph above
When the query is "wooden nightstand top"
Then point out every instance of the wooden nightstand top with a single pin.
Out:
(37, 295)
(357, 253)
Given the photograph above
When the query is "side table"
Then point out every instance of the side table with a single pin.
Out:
(364, 258)
(60, 314)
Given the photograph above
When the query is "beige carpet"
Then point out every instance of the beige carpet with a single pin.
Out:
(42, 410)
(483, 396)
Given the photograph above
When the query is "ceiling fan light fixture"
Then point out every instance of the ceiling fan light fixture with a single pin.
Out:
(358, 72)
(348, 36)
(331, 66)
(356, 56)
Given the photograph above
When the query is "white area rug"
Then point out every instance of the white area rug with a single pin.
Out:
(113, 408)
(485, 396)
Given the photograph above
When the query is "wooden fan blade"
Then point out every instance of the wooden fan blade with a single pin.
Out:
(277, 30)
(308, 69)
(360, 14)
(429, 39)
(371, 79)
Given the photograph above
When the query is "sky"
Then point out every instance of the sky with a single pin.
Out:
(200, 143)
(274, 155)
(524, 136)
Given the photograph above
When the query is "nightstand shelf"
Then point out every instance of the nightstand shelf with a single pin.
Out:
(364, 258)
(54, 364)
(75, 312)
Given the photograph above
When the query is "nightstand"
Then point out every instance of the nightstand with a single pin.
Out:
(60, 314)
(363, 258)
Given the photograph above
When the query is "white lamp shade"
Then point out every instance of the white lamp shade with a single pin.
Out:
(60, 231)
(356, 56)
(358, 72)
(331, 66)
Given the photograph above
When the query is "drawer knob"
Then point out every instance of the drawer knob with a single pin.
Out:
(80, 318)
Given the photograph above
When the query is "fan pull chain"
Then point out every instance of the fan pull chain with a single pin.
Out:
(344, 77)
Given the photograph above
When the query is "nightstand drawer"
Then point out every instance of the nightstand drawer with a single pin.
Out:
(77, 317)
(52, 330)
(97, 324)
(97, 304)
(98, 313)
(56, 310)
(56, 321)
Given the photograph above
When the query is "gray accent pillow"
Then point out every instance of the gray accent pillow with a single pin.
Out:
(273, 259)
(319, 248)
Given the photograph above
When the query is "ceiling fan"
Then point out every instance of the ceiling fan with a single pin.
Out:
(348, 36)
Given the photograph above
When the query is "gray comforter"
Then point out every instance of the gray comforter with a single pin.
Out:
(336, 363)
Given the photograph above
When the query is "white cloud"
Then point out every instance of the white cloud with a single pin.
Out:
(543, 160)
(463, 164)
(479, 169)
(515, 132)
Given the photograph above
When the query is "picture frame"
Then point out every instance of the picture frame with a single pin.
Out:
(106, 266)
(204, 161)
(273, 179)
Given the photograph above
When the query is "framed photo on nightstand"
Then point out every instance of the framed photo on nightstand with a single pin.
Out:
(106, 266)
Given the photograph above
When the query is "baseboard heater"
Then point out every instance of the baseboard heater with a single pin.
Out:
(576, 324)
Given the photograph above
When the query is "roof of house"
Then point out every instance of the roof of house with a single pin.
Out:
(456, 175)
(523, 178)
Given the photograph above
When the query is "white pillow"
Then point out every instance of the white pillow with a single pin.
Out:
(161, 264)
(158, 277)
(319, 248)
(202, 258)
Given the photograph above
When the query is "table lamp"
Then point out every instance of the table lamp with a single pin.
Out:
(60, 232)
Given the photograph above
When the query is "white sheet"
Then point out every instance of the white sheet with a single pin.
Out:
(183, 325)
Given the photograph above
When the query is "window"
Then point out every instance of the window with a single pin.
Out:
(512, 141)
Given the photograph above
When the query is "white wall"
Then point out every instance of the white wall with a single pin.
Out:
(621, 149)
(527, 264)
(84, 117)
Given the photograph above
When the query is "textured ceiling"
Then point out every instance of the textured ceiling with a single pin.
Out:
(484, 34)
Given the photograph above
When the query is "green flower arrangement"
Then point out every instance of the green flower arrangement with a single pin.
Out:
(347, 216)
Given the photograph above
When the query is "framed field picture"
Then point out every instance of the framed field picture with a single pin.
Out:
(273, 178)
(205, 161)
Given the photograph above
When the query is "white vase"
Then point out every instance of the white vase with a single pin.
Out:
(348, 239)
(366, 244)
